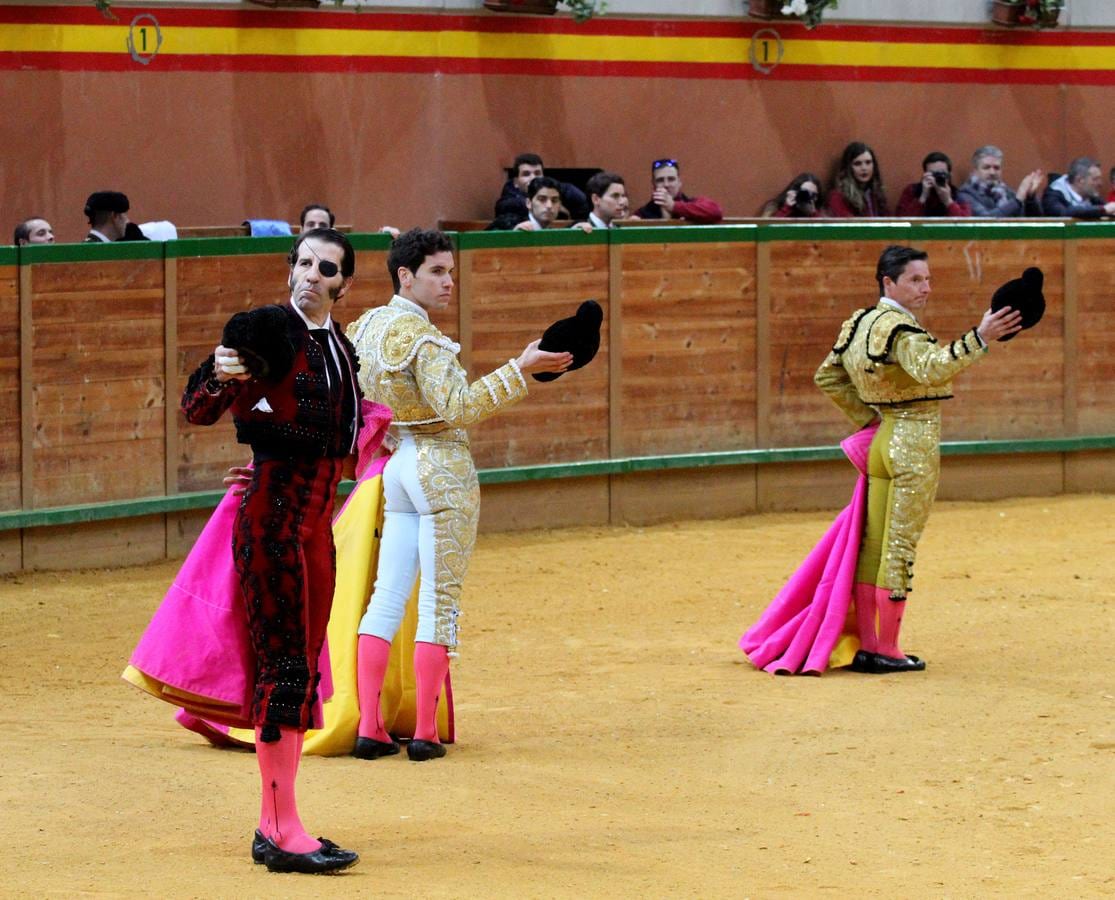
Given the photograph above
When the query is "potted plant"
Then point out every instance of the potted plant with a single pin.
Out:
(1038, 13)
(582, 9)
(809, 11)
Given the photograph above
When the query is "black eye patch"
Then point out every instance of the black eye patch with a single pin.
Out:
(327, 268)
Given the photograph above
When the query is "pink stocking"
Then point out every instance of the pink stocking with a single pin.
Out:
(865, 616)
(372, 654)
(278, 770)
(431, 665)
(890, 623)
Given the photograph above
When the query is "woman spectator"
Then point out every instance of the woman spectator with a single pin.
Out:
(858, 188)
(802, 198)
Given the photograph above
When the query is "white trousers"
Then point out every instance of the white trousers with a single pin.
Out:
(431, 507)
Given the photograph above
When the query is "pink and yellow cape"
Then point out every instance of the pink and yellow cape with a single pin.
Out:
(810, 624)
(196, 653)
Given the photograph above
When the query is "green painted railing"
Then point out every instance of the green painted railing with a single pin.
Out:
(146, 506)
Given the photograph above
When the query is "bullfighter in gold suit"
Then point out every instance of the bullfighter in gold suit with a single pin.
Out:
(431, 492)
(886, 365)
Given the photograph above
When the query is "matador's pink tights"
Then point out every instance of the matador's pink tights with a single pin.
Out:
(372, 654)
(278, 770)
(431, 665)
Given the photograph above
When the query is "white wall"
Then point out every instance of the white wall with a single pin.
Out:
(1077, 13)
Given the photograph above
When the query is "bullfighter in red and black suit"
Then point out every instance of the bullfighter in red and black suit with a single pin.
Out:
(288, 373)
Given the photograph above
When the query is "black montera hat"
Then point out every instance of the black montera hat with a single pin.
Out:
(579, 335)
(1022, 294)
(106, 201)
(261, 339)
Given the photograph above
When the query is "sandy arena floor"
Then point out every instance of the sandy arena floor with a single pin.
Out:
(613, 742)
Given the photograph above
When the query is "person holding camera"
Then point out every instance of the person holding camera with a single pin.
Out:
(935, 194)
(802, 198)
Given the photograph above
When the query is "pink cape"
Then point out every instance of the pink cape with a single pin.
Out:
(196, 652)
(798, 632)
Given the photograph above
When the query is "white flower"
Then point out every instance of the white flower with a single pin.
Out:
(795, 8)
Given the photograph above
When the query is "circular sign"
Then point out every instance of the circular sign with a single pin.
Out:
(765, 51)
(144, 38)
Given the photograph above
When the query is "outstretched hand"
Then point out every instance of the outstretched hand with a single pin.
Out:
(534, 360)
(997, 324)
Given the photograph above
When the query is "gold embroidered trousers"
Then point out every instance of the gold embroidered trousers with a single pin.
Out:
(431, 511)
(903, 469)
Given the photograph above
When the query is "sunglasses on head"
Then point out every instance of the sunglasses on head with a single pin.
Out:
(327, 268)
(662, 163)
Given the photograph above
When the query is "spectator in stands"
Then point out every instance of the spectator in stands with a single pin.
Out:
(668, 201)
(107, 212)
(544, 201)
(316, 215)
(935, 194)
(1077, 192)
(608, 194)
(527, 167)
(35, 230)
(802, 198)
(857, 190)
(987, 196)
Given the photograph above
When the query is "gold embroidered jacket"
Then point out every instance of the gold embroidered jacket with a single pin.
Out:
(884, 357)
(408, 364)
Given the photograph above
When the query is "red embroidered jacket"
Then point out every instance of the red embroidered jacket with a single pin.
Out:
(290, 417)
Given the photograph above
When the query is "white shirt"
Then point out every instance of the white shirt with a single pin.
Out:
(596, 222)
(412, 306)
(896, 305)
(103, 237)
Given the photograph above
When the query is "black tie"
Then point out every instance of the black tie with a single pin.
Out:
(321, 335)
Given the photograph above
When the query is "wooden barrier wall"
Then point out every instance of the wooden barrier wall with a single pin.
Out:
(710, 341)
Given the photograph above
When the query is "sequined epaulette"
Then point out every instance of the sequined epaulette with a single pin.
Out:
(848, 330)
(886, 328)
(402, 337)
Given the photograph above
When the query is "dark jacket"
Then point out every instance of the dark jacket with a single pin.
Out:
(1057, 201)
(996, 201)
(512, 201)
(299, 419)
(701, 210)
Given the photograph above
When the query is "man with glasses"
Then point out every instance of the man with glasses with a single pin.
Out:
(669, 202)
(301, 421)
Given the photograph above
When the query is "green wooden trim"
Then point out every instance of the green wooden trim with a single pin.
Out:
(121, 509)
(229, 246)
(1085, 230)
(553, 237)
(34, 254)
(371, 240)
(687, 234)
(9, 256)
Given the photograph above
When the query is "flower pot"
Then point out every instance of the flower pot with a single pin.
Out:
(1014, 14)
(765, 9)
(534, 7)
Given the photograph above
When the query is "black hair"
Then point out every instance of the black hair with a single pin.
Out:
(309, 206)
(893, 262)
(330, 236)
(410, 249)
(23, 230)
(600, 182)
(526, 159)
(776, 203)
(536, 184)
(936, 156)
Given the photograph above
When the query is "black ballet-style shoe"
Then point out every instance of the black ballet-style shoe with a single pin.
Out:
(419, 751)
(370, 748)
(259, 847)
(863, 661)
(885, 665)
(326, 859)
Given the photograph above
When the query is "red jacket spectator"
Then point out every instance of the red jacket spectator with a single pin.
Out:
(909, 204)
(840, 208)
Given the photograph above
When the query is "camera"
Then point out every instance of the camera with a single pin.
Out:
(805, 199)
(942, 178)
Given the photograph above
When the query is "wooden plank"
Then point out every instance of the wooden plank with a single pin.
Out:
(170, 373)
(783, 487)
(648, 498)
(999, 477)
(11, 552)
(122, 542)
(544, 504)
(516, 292)
(464, 308)
(10, 387)
(689, 345)
(762, 345)
(1095, 335)
(1090, 472)
(26, 384)
(615, 351)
